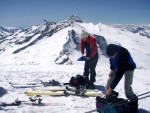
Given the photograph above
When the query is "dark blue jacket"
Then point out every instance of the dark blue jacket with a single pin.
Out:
(121, 63)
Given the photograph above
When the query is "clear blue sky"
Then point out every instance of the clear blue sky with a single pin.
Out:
(32, 12)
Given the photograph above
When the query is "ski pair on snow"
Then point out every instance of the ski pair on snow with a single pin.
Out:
(54, 88)
(32, 101)
(35, 84)
(63, 91)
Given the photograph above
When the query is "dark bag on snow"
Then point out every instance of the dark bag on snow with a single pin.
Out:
(112, 104)
(78, 80)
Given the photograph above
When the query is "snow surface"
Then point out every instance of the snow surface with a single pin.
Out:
(37, 63)
(73, 104)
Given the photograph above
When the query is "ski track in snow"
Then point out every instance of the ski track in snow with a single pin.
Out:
(73, 104)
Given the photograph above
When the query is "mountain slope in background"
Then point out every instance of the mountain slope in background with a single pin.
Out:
(143, 30)
(6, 31)
(52, 42)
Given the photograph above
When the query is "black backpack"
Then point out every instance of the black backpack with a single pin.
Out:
(78, 80)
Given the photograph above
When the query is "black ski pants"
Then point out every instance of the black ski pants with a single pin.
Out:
(89, 68)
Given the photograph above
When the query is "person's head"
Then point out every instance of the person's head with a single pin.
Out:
(84, 35)
(112, 50)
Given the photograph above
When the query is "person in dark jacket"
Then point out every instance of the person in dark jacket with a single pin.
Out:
(121, 63)
(88, 42)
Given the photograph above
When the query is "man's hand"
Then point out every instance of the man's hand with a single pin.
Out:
(111, 73)
(88, 58)
(108, 92)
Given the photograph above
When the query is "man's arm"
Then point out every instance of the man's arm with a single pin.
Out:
(117, 78)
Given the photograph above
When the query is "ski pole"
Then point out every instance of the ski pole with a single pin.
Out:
(133, 97)
(143, 94)
(118, 104)
(144, 97)
(121, 103)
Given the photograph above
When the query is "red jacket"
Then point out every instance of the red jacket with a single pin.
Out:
(92, 41)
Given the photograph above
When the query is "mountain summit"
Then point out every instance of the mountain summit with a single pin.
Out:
(75, 18)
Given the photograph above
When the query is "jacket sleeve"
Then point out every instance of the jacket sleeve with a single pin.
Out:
(82, 46)
(94, 47)
(117, 78)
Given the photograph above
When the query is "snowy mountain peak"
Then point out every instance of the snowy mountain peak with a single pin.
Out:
(75, 18)
(45, 21)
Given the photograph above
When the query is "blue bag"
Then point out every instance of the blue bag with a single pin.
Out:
(83, 58)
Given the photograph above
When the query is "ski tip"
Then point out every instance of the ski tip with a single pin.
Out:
(25, 92)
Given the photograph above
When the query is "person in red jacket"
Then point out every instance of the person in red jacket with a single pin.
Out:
(89, 44)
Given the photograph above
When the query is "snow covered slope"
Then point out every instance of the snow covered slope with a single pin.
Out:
(52, 42)
(49, 42)
(138, 45)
